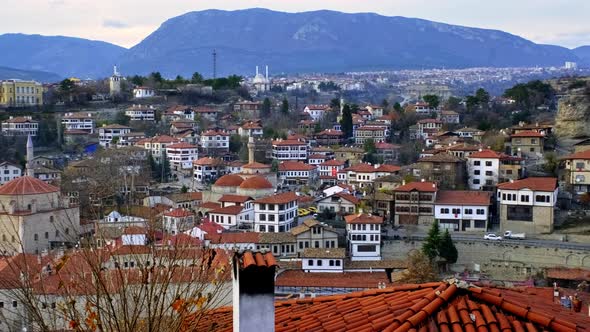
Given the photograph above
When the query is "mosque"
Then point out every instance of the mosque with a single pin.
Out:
(261, 83)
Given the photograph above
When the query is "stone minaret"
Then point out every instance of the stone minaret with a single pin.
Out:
(251, 147)
(30, 156)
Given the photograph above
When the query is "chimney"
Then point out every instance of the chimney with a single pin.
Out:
(253, 276)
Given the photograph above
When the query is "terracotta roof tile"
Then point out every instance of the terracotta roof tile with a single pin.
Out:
(278, 198)
(249, 258)
(256, 182)
(235, 198)
(178, 213)
(26, 185)
(535, 183)
(463, 197)
(229, 210)
(295, 166)
(578, 155)
(528, 133)
(425, 186)
(363, 219)
(229, 180)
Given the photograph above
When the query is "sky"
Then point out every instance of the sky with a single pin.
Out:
(127, 22)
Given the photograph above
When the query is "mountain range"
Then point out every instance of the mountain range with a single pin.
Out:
(318, 41)
(35, 75)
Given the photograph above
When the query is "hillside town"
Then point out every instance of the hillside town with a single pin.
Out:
(310, 186)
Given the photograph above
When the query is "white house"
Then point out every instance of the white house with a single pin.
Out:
(9, 172)
(276, 213)
(338, 188)
(215, 139)
(181, 155)
(483, 169)
(428, 127)
(316, 112)
(341, 203)
(141, 113)
(323, 260)
(290, 149)
(363, 233)
(158, 145)
(297, 173)
(108, 136)
(251, 128)
(78, 121)
(206, 169)
(527, 205)
(20, 126)
(143, 92)
(462, 210)
(177, 221)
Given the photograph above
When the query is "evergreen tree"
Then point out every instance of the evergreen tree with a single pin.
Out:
(346, 121)
(398, 108)
(285, 106)
(122, 119)
(266, 106)
(483, 97)
(447, 249)
(165, 167)
(196, 78)
(184, 189)
(432, 242)
(432, 100)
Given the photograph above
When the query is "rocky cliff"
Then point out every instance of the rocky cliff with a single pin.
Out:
(573, 115)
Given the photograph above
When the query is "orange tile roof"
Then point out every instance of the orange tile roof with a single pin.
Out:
(26, 185)
(20, 119)
(577, 274)
(229, 180)
(249, 259)
(288, 142)
(178, 213)
(438, 306)
(463, 197)
(539, 184)
(425, 186)
(295, 166)
(256, 165)
(207, 161)
(363, 219)
(256, 182)
(485, 154)
(182, 145)
(231, 210)
(299, 278)
(527, 133)
(211, 132)
(384, 146)
(348, 197)
(235, 198)
(210, 205)
(578, 155)
(333, 162)
(278, 198)
(330, 132)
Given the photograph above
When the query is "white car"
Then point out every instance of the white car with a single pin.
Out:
(492, 236)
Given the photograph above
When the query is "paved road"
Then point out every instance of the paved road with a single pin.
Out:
(527, 242)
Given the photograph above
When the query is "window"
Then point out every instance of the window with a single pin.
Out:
(488, 173)
(36, 237)
(481, 212)
(476, 181)
(476, 163)
(337, 262)
(468, 211)
(524, 198)
(300, 245)
(310, 262)
(367, 248)
(542, 198)
(456, 211)
(488, 163)
(331, 263)
(14, 304)
(319, 262)
(476, 172)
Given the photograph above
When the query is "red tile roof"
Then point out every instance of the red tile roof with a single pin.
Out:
(248, 237)
(182, 145)
(539, 184)
(439, 306)
(256, 182)
(333, 162)
(363, 219)
(214, 133)
(485, 154)
(278, 198)
(235, 198)
(229, 210)
(348, 197)
(330, 132)
(210, 205)
(229, 180)
(207, 161)
(577, 274)
(178, 213)
(210, 227)
(295, 166)
(256, 165)
(288, 142)
(21, 119)
(527, 133)
(418, 186)
(299, 278)
(387, 146)
(463, 197)
(578, 155)
(26, 185)
(250, 259)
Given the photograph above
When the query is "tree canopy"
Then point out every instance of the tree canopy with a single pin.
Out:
(346, 121)
(432, 100)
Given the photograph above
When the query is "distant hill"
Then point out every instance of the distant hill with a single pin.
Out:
(583, 52)
(66, 56)
(326, 41)
(39, 76)
(319, 41)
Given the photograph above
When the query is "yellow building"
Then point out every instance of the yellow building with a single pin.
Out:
(17, 93)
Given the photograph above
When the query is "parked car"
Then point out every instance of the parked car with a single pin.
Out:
(517, 236)
(492, 236)
(302, 212)
(313, 209)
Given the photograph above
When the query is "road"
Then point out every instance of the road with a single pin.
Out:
(479, 238)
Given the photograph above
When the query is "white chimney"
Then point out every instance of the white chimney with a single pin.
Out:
(253, 276)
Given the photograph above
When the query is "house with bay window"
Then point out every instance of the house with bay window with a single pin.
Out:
(463, 210)
(276, 213)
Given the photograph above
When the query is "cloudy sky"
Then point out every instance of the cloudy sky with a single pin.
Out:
(127, 22)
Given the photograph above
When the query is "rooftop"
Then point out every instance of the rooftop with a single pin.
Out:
(26, 185)
(324, 253)
(463, 197)
(425, 186)
(538, 184)
(363, 219)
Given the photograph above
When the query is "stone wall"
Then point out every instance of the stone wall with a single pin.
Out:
(573, 116)
(500, 260)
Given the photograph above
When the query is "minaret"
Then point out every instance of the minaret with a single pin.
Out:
(251, 146)
(30, 156)
(256, 70)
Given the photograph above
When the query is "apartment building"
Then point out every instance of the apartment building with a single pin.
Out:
(297, 173)
(276, 213)
(577, 171)
(363, 233)
(527, 144)
(141, 113)
(486, 168)
(181, 156)
(9, 172)
(215, 140)
(317, 112)
(447, 170)
(376, 133)
(290, 149)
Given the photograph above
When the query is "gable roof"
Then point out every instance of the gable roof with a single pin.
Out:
(463, 197)
(363, 219)
(538, 183)
(578, 155)
(528, 133)
(418, 186)
(438, 306)
(278, 198)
